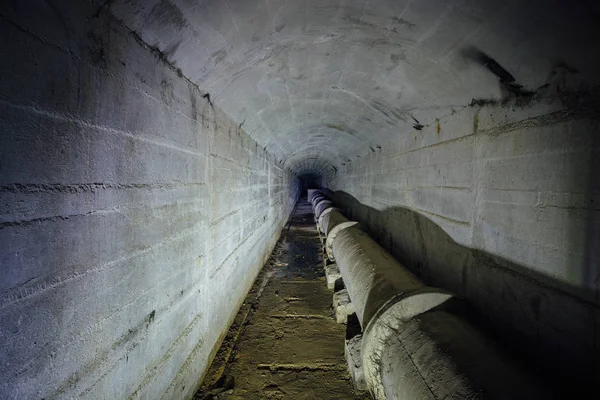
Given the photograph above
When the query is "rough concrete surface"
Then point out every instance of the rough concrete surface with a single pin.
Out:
(134, 215)
(332, 274)
(289, 345)
(323, 82)
(352, 352)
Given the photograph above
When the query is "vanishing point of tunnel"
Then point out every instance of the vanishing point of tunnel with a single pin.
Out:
(299, 199)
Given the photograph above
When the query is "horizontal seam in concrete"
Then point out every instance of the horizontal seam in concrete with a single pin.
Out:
(237, 162)
(105, 72)
(541, 244)
(580, 112)
(459, 188)
(223, 217)
(6, 299)
(64, 117)
(186, 365)
(56, 218)
(244, 240)
(80, 337)
(117, 209)
(411, 167)
(543, 120)
(238, 229)
(452, 140)
(536, 155)
(36, 36)
(541, 205)
(448, 219)
(87, 187)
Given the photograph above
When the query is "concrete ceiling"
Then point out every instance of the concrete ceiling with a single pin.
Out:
(321, 82)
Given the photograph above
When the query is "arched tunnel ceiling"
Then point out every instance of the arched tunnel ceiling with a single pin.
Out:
(320, 82)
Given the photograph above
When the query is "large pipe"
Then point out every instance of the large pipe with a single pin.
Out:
(329, 223)
(371, 275)
(324, 220)
(317, 200)
(315, 195)
(322, 206)
(416, 344)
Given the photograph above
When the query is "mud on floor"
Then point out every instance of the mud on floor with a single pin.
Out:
(284, 342)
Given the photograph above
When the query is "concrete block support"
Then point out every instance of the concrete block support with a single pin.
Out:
(352, 353)
(329, 219)
(371, 275)
(341, 223)
(342, 306)
(332, 274)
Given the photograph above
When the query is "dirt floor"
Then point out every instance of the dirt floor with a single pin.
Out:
(285, 343)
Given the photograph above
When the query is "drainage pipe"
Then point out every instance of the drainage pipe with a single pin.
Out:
(330, 222)
(314, 192)
(322, 206)
(416, 344)
(314, 196)
(317, 200)
(323, 222)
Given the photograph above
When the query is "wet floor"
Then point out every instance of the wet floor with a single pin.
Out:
(285, 343)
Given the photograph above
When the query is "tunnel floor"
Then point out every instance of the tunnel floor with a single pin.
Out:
(284, 342)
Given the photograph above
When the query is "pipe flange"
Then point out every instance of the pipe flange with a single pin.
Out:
(323, 214)
(316, 196)
(316, 203)
(386, 323)
(322, 206)
(333, 233)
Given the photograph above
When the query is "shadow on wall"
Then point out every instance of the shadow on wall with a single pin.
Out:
(532, 316)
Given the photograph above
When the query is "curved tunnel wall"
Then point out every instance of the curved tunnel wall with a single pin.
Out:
(325, 82)
(134, 215)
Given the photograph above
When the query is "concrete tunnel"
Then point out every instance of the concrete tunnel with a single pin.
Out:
(156, 235)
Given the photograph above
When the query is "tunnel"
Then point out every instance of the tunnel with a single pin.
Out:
(158, 160)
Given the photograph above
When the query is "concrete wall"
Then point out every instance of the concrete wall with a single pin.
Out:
(133, 215)
(498, 203)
